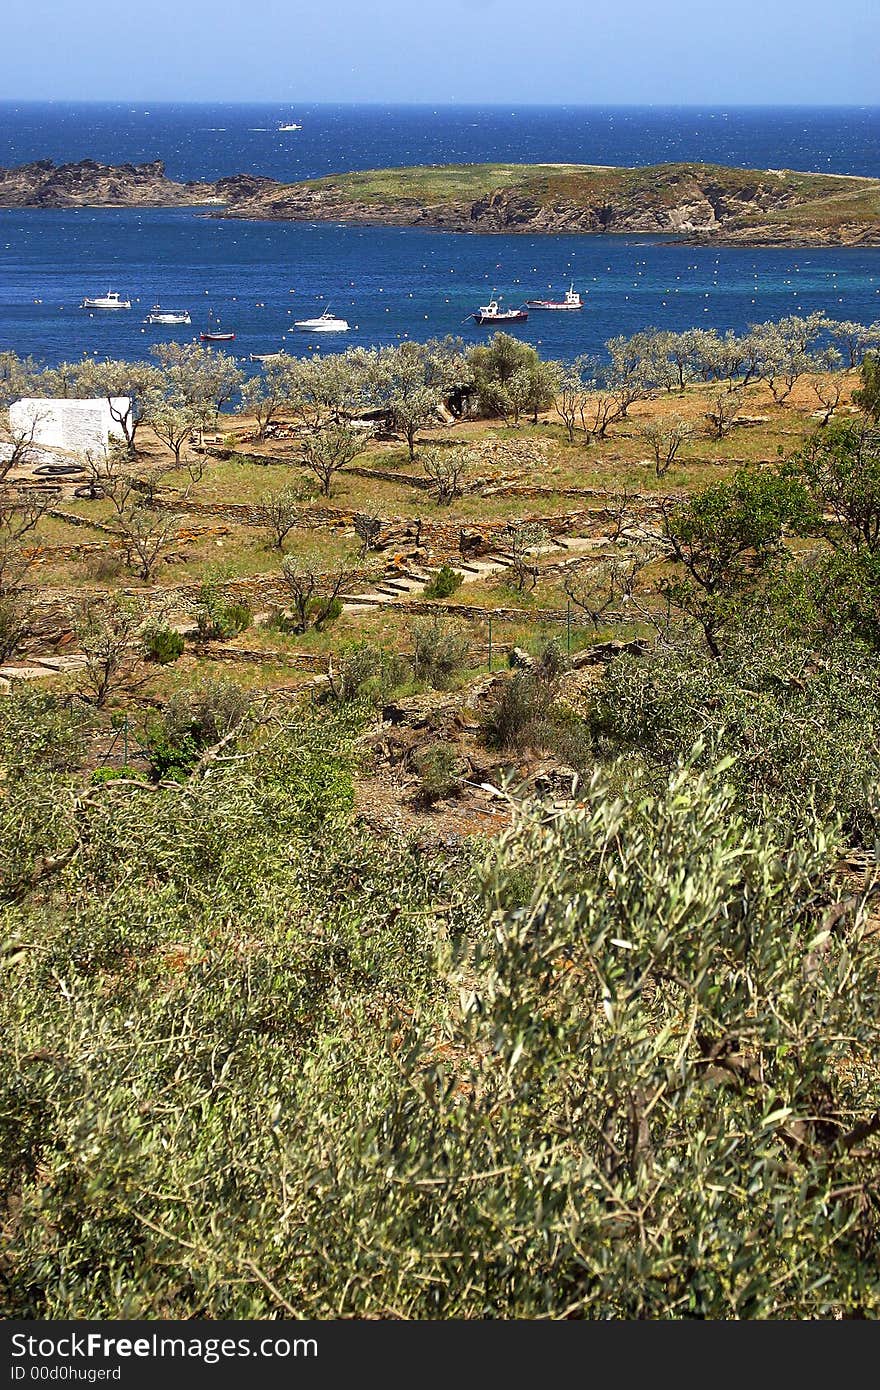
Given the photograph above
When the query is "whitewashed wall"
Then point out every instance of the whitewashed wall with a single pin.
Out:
(74, 426)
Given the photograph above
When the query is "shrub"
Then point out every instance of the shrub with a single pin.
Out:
(217, 616)
(519, 715)
(192, 721)
(39, 734)
(439, 652)
(162, 644)
(443, 583)
(438, 771)
(104, 565)
(324, 613)
(367, 671)
(800, 724)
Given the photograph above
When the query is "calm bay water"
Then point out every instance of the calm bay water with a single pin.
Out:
(393, 283)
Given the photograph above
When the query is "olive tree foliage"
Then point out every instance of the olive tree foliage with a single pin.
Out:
(840, 466)
(137, 383)
(628, 379)
(20, 514)
(18, 448)
(510, 379)
(413, 381)
(854, 340)
(278, 512)
(198, 378)
(664, 437)
(143, 532)
(21, 509)
(722, 539)
(447, 469)
(174, 424)
(607, 590)
(789, 350)
(868, 395)
(627, 1066)
(666, 1003)
(520, 541)
(725, 408)
(328, 449)
(110, 635)
(276, 388)
(575, 382)
(797, 712)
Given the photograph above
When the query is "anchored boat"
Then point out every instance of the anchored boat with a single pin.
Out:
(572, 300)
(493, 313)
(213, 333)
(110, 300)
(159, 315)
(324, 323)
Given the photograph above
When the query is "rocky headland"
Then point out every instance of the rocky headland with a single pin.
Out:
(691, 202)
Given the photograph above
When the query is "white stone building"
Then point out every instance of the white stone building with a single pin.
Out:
(74, 426)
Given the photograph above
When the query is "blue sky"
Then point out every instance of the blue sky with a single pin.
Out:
(484, 51)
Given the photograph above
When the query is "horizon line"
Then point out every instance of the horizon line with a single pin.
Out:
(450, 103)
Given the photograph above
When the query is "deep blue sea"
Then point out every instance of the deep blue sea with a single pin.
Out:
(393, 283)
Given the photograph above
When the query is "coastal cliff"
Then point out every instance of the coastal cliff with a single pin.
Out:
(692, 202)
(88, 184)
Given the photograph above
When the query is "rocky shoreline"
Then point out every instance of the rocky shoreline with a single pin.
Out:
(697, 204)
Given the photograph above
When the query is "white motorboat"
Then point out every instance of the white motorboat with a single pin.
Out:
(325, 323)
(290, 125)
(159, 315)
(110, 300)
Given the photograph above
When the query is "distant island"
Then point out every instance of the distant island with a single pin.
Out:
(695, 203)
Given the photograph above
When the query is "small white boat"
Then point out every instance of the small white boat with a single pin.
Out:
(159, 315)
(325, 323)
(290, 125)
(110, 300)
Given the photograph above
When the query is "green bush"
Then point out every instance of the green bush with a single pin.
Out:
(193, 721)
(40, 734)
(443, 583)
(800, 723)
(162, 644)
(519, 714)
(439, 652)
(627, 1069)
(438, 771)
(365, 670)
(218, 617)
(328, 612)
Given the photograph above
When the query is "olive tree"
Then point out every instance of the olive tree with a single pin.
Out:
(313, 592)
(132, 390)
(447, 469)
(664, 437)
(329, 449)
(520, 541)
(721, 539)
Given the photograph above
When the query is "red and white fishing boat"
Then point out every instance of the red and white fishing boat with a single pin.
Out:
(213, 333)
(572, 300)
(493, 313)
